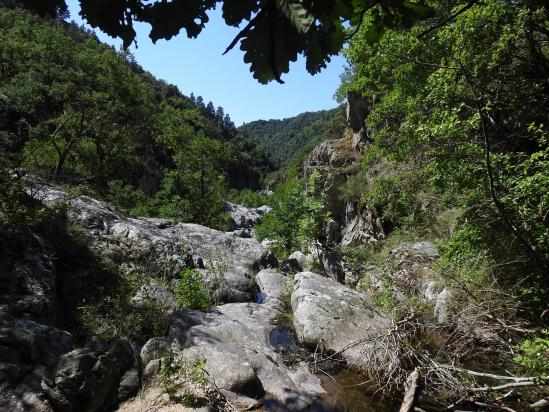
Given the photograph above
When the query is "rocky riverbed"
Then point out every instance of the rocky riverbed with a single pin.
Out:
(249, 354)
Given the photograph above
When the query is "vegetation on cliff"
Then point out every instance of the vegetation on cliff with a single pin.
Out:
(455, 150)
(465, 109)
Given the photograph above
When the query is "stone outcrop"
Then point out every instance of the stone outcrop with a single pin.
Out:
(27, 350)
(29, 340)
(234, 341)
(230, 284)
(27, 278)
(351, 223)
(357, 110)
(242, 217)
(363, 225)
(39, 367)
(412, 276)
(92, 378)
(153, 246)
(336, 318)
(335, 161)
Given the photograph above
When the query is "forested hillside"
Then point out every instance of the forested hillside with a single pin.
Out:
(290, 140)
(78, 112)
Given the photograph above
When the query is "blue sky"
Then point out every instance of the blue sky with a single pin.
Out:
(197, 65)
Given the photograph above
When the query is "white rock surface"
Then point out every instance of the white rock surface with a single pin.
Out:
(234, 339)
(336, 317)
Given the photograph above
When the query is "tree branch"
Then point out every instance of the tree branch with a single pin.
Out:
(362, 13)
(410, 394)
(449, 19)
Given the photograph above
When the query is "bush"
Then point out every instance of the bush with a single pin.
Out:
(298, 217)
(281, 224)
(190, 291)
(247, 197)
(534, 356)
(111, 313)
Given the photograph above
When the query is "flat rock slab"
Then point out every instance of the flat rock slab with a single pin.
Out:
(234, 340)
(155, 246)
(336, 318)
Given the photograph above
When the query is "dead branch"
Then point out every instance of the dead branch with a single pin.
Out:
(410, 393)
(492, 406)
(492, 376)
(509, 385)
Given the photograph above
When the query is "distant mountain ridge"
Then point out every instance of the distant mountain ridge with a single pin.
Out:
(288, 139)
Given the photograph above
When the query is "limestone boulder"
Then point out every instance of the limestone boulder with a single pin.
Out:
(157, 247)
(234, 341)
(337, 318)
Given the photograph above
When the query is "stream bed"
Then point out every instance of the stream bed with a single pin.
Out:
(346, 390)
(350, 393)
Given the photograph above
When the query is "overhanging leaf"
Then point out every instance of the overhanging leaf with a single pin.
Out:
(234, 11)
(297, 14)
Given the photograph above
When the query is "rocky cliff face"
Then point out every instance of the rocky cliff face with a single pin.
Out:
(337, 160)
(29, 341)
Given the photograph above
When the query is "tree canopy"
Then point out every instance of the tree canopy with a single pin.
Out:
(74, 110)
(275, 32)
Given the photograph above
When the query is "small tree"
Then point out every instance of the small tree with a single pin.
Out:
(190, 291)
(298, 216)
(282, 223)
(315, 214)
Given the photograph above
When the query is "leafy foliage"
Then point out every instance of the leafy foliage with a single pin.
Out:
(459, 123)
(298, 217)
(282, 223)
(275, 33)
(190, 291)
(288, 140)
(248, 198)
(315, 214)
(74, 110)
(533, 356)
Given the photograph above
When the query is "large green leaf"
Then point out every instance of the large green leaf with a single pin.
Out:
(297, 14)
(270, 45)
(277, 31)
(234, 11)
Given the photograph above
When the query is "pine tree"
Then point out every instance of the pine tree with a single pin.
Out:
(227, 121)
(210, 109)
(220, 112)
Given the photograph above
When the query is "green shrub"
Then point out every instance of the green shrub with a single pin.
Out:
(533, 356)
(298, 217)
(110, 312)
(282, 223)
(386, 298)
(184, 382)
(190, 291)
(247, 197)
